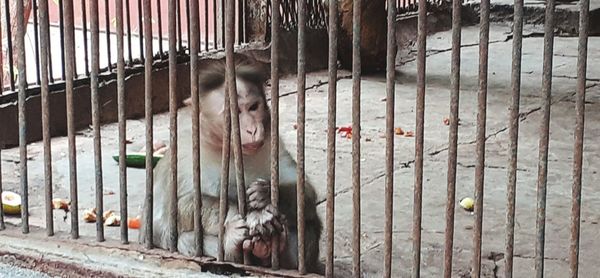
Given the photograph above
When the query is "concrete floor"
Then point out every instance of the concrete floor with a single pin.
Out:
(372, 168)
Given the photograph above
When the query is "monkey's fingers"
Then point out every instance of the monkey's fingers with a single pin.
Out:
(261, 248)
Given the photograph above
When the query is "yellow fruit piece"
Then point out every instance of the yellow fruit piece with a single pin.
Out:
(467, 203)
(11, 203)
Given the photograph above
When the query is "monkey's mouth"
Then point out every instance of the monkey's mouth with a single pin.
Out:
(251, 148)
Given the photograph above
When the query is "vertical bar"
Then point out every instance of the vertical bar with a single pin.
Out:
(96, 117)
(584, 13)
(160, 33)
(173, 125)
(215, 33)
(331, 122)
(121, 106)
(85, 37)
(141, 30)
(11, 65)
(194, 32)
(275, 122)
(128, 19)
(187, 18)
(61, 14)
(50, 71)
(44, 46)
(36, 41)
(206, 25)
(514, 136)
(69, 52)
(389, 138)
(149, 123)
(107, 22)
(223, 23)
(223, 205)
(22, 116)
(229, 14)
(544, 138)
(420, 119)
(241, 20)
(301, 135)
(453, 136)
(356, 74)
(2, 225)
(179, 37)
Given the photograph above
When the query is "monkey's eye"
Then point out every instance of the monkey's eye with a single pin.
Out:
(253, 107)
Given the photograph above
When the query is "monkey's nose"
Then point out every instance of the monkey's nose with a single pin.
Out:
(252, 131)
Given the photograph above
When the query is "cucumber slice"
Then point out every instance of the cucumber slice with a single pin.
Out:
(137, 160)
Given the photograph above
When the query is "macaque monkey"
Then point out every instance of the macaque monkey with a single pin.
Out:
(262, 222)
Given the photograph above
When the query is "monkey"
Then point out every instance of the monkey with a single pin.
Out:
(262, 221)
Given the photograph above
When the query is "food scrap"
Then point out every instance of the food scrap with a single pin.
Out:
(58, 203)
(11, 203)
(112, 220)
(409, 134)
(398, 131)
(134, 223)
(446, 121)
(467, 203)
(345, 132)
(89, 215)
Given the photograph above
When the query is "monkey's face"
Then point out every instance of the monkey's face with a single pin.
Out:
(253, 115)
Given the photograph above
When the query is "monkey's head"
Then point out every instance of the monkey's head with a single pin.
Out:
(254, 113)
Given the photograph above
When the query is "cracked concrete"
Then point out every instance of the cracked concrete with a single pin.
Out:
(435, 162)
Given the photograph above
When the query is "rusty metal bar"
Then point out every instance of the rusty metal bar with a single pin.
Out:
(96, 117)
(179, 37)
(173, 125)
(2, 225)
(44, 46)
(389, 137)
(194, 69)
(20, 44)
(149, 197)
(331, 123)
(514, 136)
(205, 25)
(140, 30)
(36, 41)
(69, 52)
(484, 34)
(223, 204)
(128, 19)
(420, 126)
(215, 33)
(241, 20)
(121, 107)
(229, 14)
(276, 19)
(50, 71)
(11, 65)
(452, 136)
(544, 138)
(61, 16)
(301, 132)
(160, 33)
(107, 24)
(356, 74)
(85, 37)
(187, 18)
(584, 13)
(223, 23)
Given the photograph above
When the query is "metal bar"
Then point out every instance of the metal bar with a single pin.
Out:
(36, 41)
(223, 23)
(141, 30)
(331, 122)
(484, 33)
(544, 138)
(301, 135)
(205, 25)
(420, 126)
(85, 37)
(514, 136)
(122, 117)
(44, 46)
(149, 124)
(22, 105)
(453, 136)
(61, 14)
(389, 138)
(584, 13)
(215, 33)
(229, 14)
(179, 37)
(69, 52)
(107, 24)
(187, 18)
(223, 204)
(160, 33)
(96, 117)
(128, 15)
(173, 125)
(276, 19)
(11, 65)
(2, 225)
(50, 71)
(356, 75)
(240, 23)
(194, 69)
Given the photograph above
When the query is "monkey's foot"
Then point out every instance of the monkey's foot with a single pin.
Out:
(236, 231)
(259, 194)
(263, 226)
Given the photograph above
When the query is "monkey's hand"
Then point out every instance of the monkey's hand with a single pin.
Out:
(263, 226)
(236, 231)
(259, 194)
